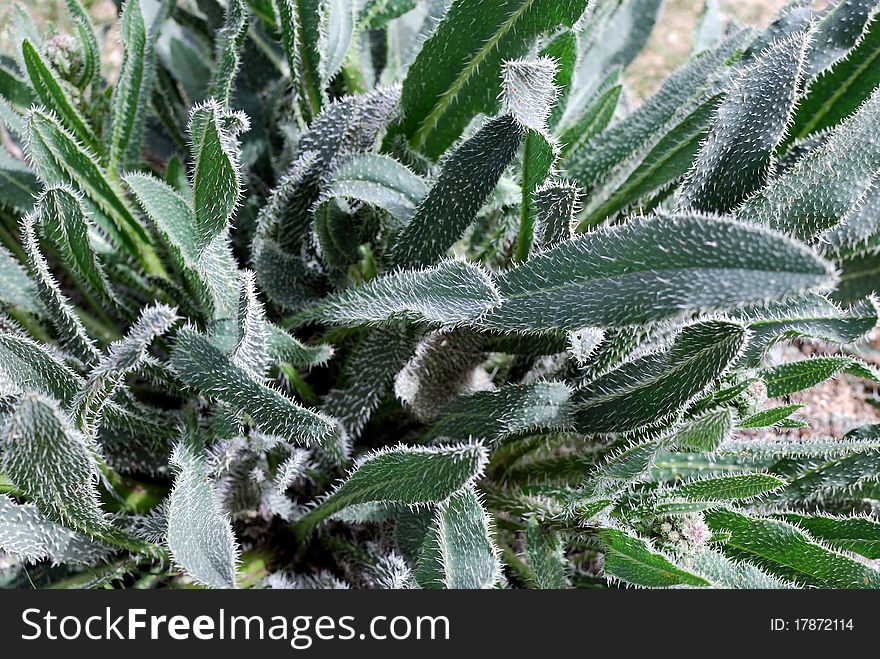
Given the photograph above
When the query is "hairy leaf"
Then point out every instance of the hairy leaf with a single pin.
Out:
(791, 377)
(53, 464)
(805, 201)
(458, 551)
(449, 293)
(467, 177)
(204, 367)
(726, 488)
(25, 533)
(495, 416)
(455, 75)
(68, 325)
(705, 432)
(856, 534)
(53, 96)
(737, 157)
(650, 388)
(812, 316)
(619, 276)
(783, 550)
(633, 561)
(67, 223)
(396, 475)
(544, 553)
(199, 535)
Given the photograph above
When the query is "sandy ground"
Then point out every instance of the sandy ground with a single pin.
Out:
(672, 38)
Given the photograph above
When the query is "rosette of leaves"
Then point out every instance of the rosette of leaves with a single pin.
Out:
(405, 293)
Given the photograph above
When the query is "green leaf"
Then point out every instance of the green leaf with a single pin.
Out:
(529, 91)
(68, 325)
(229, 46)
(792, 377)
(445, 364)
(619, 276)
(67, 223)
(725, 488)
(686, 90)
(170, 213)
(18, 186)
(783, 550)
(467, 177)
(450, 293)
(353, 124)
(299, 24)
(52, 95)
(336, 31)
(16, 92)
(556, 206)
(705, 432)
(758, 107)
(204, 367)
(856, 534)
(122, 357)
(649, 389)
(216, 176)
(805, 201)
(812, 316)
(563, 50)
(544, 553)
(758, 452)
(28, 366)
(841, 28)
(632, 560)
(16, 288)
(738, 456)
(199, 534)
(769, 417)
(656, 165)
(132, 89)
(285, 348)
(455, 75)
(368, 375)
(458, 551)
(838, 92)
(210, 273)
(858, 277)
(26, 534)
(380, 181)
(509, 412)
(838, 478)
(53, 464)
(593, 120)
(252, 351)
(725, 573)
(397, 475)
(859, 232)
(91, 50)
(57, 158)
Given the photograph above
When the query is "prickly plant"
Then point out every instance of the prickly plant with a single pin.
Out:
(401, 293)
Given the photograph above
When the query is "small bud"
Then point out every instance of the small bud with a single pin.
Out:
(63, 53)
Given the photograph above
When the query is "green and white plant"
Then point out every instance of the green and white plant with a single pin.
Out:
(408, 293)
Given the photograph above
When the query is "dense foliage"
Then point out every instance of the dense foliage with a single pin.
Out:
(408, 293)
